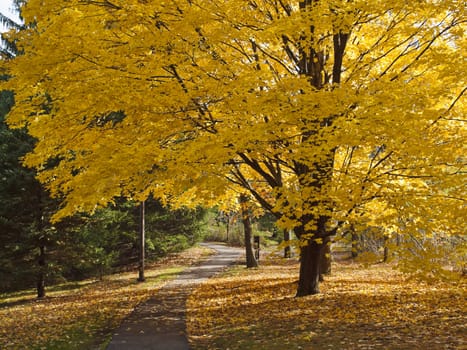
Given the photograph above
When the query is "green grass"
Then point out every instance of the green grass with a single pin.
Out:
(82, 315)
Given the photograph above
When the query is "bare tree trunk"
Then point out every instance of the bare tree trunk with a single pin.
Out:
(386, 249)
(310, 258)
(227, 227)
(312, 254)
(325, 268)
(41, 242)
(355, 242)
(250, 256)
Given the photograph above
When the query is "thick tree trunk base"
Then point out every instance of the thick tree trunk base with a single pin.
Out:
(251, 263)
(250, 255)
(310, 261)
(306, 293)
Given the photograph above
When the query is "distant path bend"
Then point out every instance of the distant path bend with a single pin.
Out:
(159, 323)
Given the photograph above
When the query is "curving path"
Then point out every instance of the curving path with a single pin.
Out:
(159, 323)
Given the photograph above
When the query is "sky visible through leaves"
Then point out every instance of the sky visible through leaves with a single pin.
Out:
(6, 9)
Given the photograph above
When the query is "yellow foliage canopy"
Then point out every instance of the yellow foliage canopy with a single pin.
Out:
(325, 112)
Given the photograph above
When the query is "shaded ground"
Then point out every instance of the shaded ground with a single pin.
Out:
(159, 323)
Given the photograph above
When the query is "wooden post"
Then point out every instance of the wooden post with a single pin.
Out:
(287, 249)
(141, 243)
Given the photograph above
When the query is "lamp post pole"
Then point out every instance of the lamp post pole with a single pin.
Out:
(141, 243)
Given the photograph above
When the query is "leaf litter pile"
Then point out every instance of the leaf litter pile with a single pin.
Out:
(82, 315)
(359, 307)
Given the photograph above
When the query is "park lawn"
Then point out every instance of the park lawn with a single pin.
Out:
(83, 315)
(360, 307)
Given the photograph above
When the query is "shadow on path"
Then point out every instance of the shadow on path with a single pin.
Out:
(159, 323)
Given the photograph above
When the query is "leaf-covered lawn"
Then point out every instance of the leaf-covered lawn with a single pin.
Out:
(82, 315)
(359, 308)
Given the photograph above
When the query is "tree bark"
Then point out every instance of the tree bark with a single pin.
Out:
(312, 253)
(325, 268)
(386, 249)
(250, 256)
(310, 259)
(227, 228)
(41, 242)
(356, 249)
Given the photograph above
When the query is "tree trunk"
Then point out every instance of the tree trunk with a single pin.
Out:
(312, 254)
(386, 249)
(228, 228)
(42, 272)
(141, 242)
(310, 261)
(312, 65)
(325, 268)
(355, 244)
(250, 256)
(41, 242)
(287, 250)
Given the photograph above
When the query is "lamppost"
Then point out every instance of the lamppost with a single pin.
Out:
(141, 243)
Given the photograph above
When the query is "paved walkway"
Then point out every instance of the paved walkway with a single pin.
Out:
(159, 323)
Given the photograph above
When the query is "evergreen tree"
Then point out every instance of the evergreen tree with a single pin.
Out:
(24, 228)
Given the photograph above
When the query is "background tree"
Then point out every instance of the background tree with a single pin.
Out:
(25, 230)
(37, 252)
(248, 231)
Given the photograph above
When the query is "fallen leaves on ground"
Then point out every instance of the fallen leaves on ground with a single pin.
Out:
(82, 315)
(359, 308)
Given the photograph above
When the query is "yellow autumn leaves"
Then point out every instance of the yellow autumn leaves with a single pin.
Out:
(361, 307)
(371, 307)
(81, 315)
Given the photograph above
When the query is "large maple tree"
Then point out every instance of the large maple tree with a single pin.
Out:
(326, 112)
